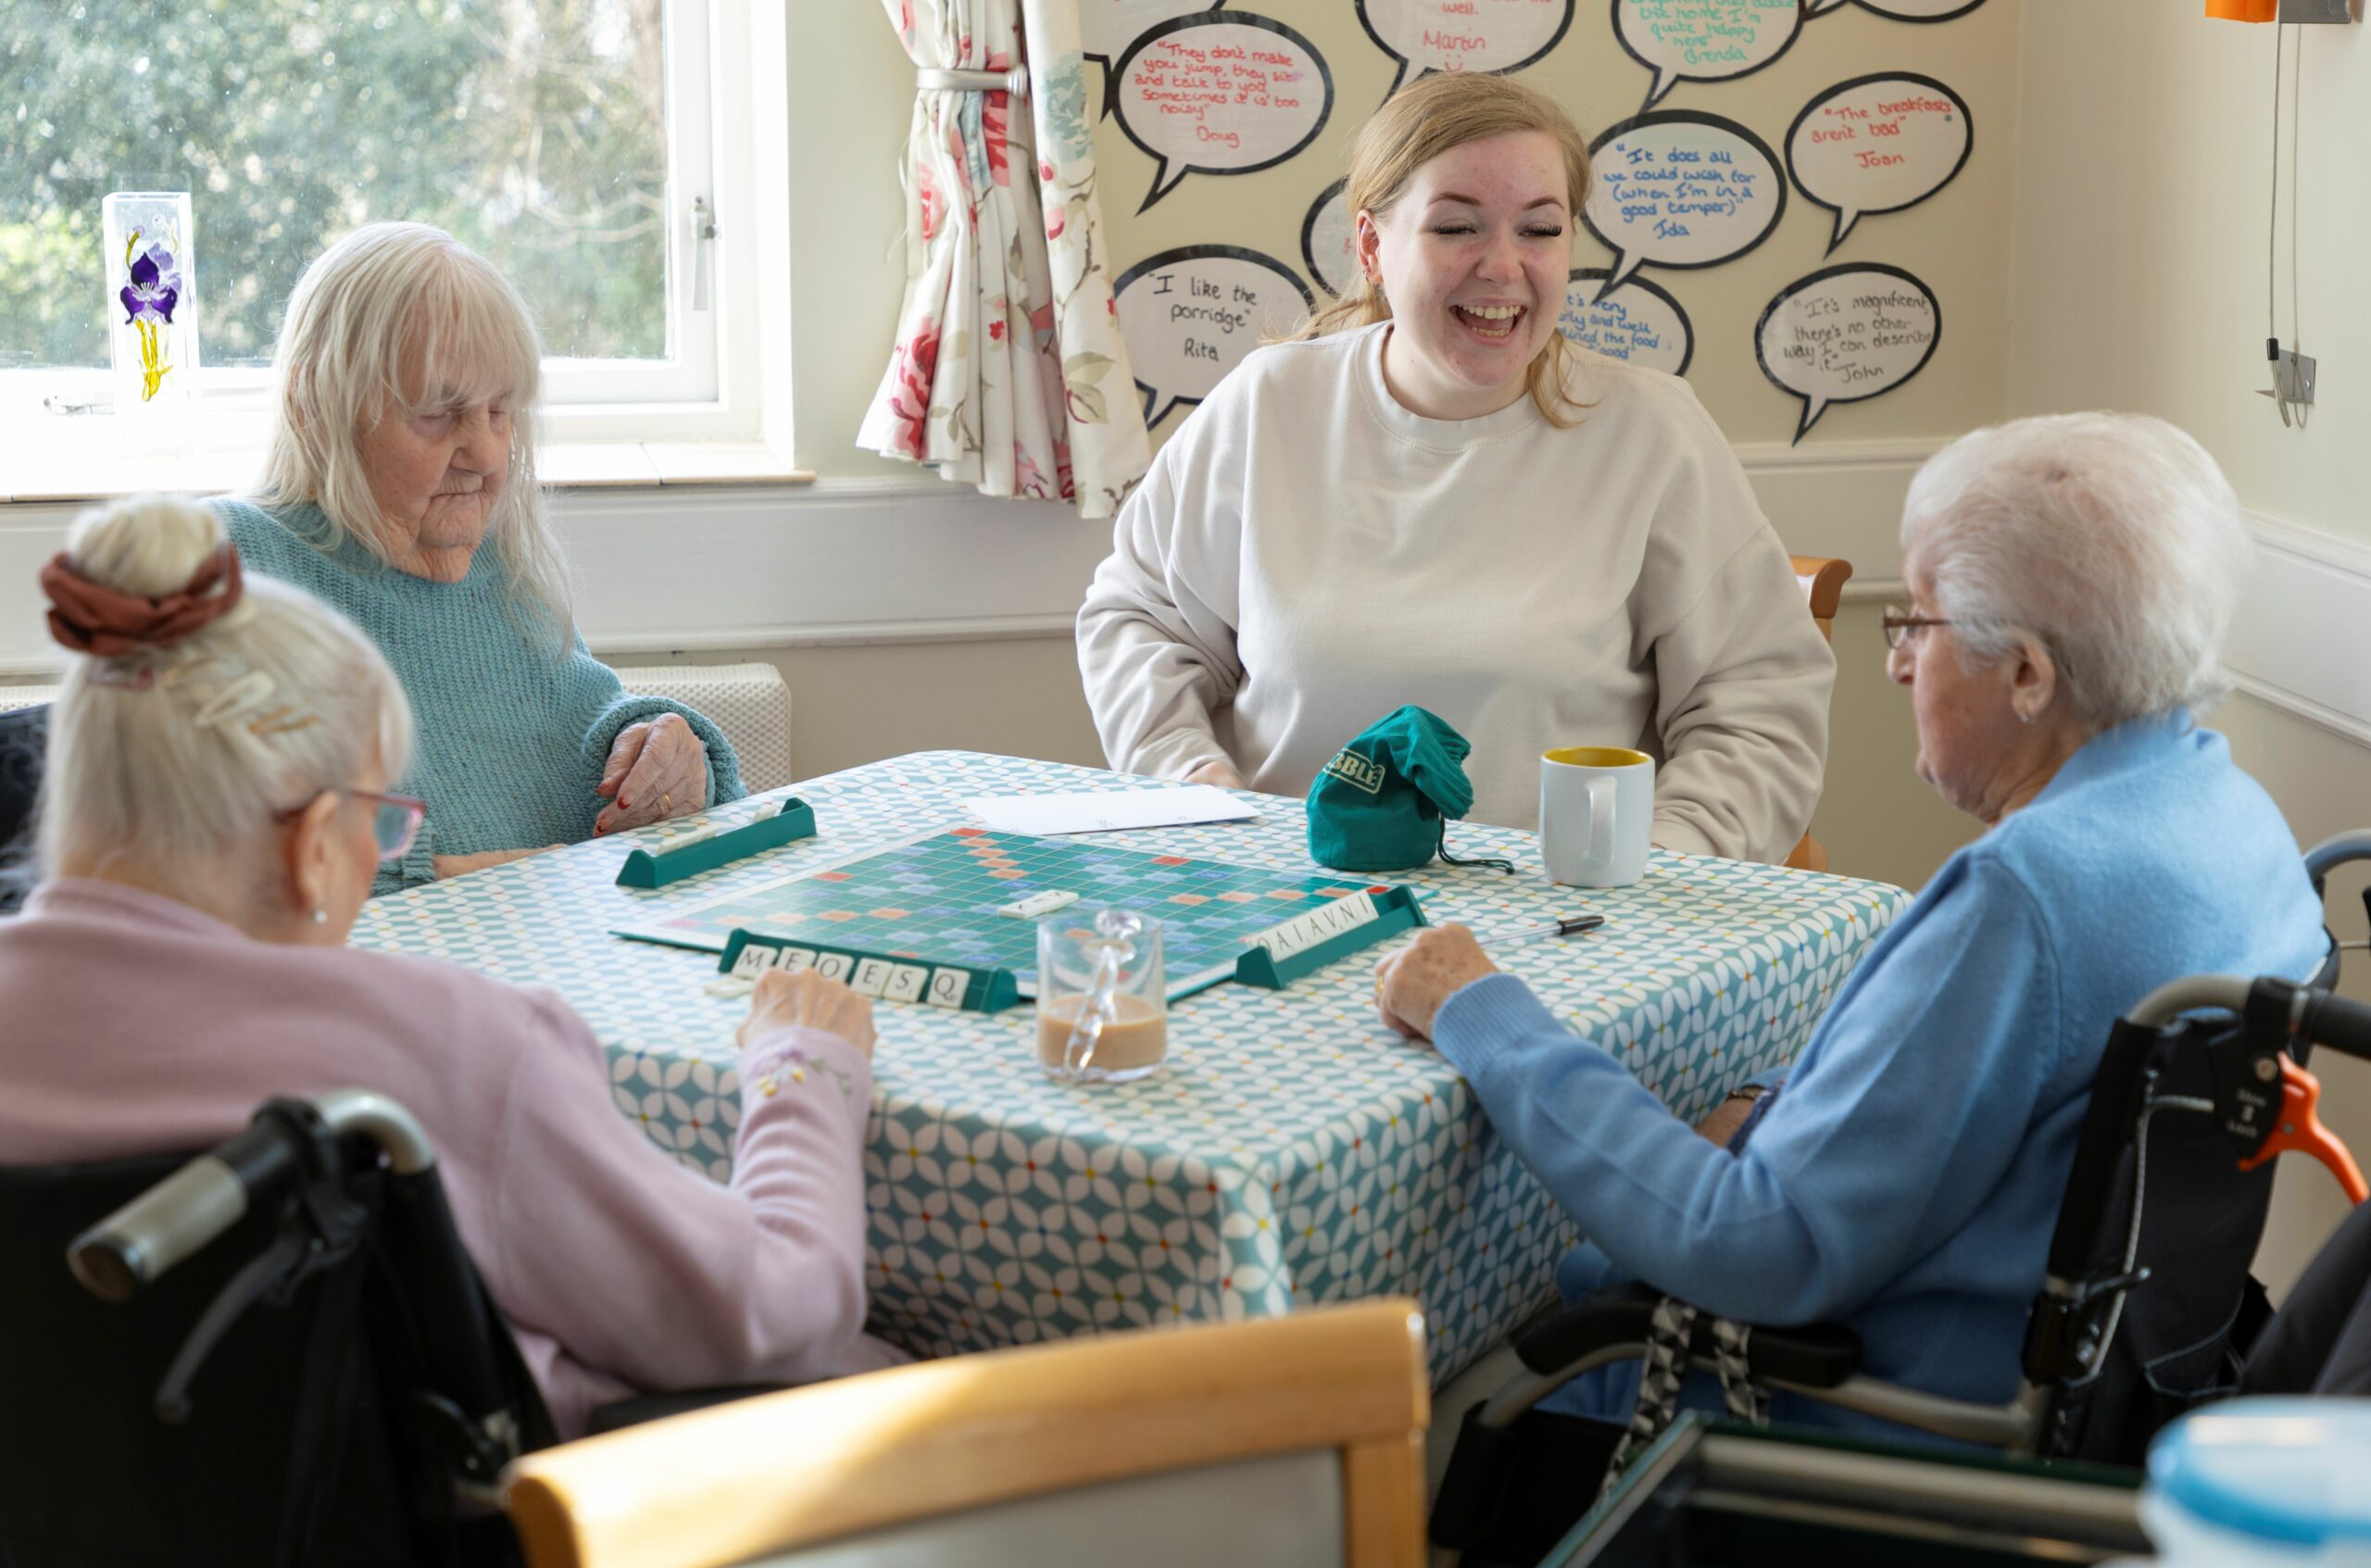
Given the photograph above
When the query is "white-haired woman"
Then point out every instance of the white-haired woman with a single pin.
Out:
(215, 803)
(2071, 578)
(403, 447)
(1434, 498)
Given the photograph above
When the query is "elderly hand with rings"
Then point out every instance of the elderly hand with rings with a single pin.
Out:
(2071, 578)
(399, 488)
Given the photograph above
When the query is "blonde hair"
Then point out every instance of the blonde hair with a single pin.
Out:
(2113, 538)
(404, 316)
(1416, 125)
(178, 760)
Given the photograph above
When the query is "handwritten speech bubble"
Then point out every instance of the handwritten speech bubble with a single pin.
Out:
(1704, 39)
(1845, 334)
(1106, 28)
(1676, 188)
(1878, 144)
(1637, 323)
(1490, 37)
(1220, 93)
(1901, 10)
(1329, 238)
(1190, 315)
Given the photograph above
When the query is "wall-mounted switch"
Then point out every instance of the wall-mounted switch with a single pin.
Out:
(2293, 381)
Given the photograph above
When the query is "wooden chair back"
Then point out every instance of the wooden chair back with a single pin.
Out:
(1279, 1440)
(1822, 578)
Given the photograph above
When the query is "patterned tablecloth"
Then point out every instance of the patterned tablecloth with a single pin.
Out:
(1292, 1150)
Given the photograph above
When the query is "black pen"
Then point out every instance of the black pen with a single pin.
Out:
(1569, 926)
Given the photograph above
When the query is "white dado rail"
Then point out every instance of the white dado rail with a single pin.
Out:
(854, 561)
(847, 562)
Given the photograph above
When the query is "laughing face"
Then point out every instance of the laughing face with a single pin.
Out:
(1474, 257)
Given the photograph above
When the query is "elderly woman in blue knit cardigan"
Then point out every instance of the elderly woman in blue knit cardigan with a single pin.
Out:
(2070, 582)
(400, 488)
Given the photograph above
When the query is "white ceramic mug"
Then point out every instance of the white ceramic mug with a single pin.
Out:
(1597, 810)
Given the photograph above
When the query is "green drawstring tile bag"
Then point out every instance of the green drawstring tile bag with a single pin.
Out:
(1384, 803)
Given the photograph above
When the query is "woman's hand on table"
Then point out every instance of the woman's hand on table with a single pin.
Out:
(655, 770)
(462, 865)
(803, 999)
(1410, 985)
(1219, 774)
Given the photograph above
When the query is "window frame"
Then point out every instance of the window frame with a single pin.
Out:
(708, 390)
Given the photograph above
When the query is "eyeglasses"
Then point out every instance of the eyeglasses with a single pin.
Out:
(395, 821)
(1900, 626)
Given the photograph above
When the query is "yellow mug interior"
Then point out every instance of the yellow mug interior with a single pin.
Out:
(1598, 757)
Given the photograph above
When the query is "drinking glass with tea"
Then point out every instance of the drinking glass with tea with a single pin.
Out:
(1102, 1006)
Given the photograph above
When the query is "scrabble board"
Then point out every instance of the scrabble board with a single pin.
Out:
(936, 900)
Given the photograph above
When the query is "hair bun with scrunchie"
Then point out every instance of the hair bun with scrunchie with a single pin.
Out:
(107, 623)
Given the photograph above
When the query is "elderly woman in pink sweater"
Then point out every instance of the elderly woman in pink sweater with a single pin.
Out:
(216, 807)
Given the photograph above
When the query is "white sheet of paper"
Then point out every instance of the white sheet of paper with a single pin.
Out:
(1108, 812)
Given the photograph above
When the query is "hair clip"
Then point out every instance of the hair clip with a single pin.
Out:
(281, 722)
(235, 698)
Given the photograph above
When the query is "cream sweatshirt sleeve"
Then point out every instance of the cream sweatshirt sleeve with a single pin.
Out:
(1156, 637)
(1742, 675)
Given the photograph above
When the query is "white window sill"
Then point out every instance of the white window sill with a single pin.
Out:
(81, 470)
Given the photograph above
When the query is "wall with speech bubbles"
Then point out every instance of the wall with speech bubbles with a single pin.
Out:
(1745, 148)
(1783, 138)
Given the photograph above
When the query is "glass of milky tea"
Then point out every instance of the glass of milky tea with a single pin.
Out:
(1102, 1004)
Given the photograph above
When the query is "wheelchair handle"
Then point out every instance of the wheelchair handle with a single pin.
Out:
(137, 1243)
(2335, 852)
(2315, 1015)
(2334, 1022)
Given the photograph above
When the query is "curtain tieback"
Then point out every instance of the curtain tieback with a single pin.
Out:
(930, 79)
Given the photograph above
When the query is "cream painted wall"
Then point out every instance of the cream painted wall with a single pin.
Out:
(1019, 697)
(2140, 284)
(2140, 218)
(851, 93)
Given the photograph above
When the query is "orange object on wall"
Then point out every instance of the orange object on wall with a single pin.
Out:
(2243, 10)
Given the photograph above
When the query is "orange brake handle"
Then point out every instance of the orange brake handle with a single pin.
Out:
(2299, 1127)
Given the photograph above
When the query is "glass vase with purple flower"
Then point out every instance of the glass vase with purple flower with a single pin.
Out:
(152, 313)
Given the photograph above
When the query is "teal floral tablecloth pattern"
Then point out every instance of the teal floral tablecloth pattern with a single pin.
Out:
(1293, 1149)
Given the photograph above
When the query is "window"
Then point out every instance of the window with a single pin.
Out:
(572, 141)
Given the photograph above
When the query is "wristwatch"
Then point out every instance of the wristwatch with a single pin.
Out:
(1750, 1092)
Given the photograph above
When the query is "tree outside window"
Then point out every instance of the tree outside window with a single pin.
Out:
(535, 131)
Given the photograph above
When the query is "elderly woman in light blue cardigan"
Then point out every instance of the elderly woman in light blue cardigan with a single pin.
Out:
(2070, 579)
(403, 448)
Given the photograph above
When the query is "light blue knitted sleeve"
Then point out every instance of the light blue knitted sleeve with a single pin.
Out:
(623, 708)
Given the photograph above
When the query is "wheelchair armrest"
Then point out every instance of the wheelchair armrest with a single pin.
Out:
(1820, 1355)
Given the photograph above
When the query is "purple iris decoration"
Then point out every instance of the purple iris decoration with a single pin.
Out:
(155, 285)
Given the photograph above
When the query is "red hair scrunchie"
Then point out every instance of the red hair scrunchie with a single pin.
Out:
(94, 619)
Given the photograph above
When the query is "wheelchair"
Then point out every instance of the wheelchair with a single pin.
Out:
(289, 1359)
(2200, 1086)
(24, 740)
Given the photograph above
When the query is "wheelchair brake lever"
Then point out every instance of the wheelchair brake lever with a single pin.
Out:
(2299, 1126)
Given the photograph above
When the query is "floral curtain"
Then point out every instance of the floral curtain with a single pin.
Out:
(1009, 372)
